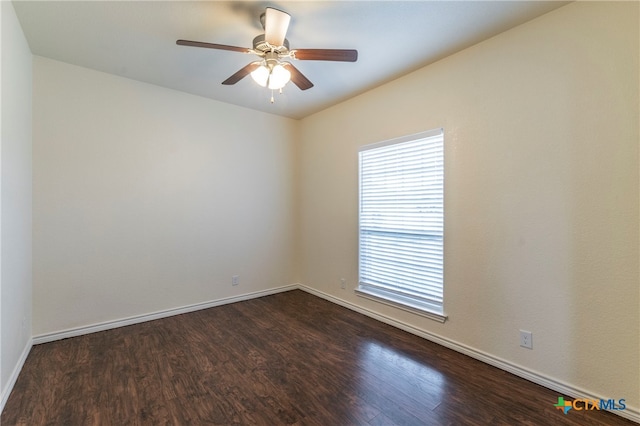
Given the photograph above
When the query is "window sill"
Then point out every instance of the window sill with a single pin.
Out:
(398, 302)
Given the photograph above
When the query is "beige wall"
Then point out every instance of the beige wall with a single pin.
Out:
(15, 200)
(147, 199)
(541, 181)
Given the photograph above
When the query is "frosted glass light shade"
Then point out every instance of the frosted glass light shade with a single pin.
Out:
(279, 77)
(260, 75)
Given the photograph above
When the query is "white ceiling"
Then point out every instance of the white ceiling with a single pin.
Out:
(136, 39)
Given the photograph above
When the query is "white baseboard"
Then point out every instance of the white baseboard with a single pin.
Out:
(631, 413)
(4, 396)
(107, 325)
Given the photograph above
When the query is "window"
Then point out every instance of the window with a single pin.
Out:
(401, 228)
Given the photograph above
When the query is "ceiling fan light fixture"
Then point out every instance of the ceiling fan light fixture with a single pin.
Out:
(279, 77)
(272, 76)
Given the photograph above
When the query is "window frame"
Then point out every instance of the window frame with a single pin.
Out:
(419, 306)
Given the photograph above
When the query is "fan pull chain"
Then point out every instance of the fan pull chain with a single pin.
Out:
(272, 99)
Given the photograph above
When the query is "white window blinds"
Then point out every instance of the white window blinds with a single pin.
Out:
(401, 221)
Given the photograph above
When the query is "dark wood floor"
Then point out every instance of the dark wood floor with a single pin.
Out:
(290, 358)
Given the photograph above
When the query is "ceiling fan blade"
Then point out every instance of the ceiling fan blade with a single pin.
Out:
(212, 46)
(276, 23)
(342, 55)
(242, 73)
(298, 78)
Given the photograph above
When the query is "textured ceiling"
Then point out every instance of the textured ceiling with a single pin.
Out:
(136, 39)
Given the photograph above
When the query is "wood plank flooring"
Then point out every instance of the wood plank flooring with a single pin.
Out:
(289, 358)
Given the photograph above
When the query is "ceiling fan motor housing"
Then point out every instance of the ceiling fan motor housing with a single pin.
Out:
(260, 44)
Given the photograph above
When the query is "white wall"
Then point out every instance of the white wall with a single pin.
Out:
(15, 200)
(541, 181)
(147, 199)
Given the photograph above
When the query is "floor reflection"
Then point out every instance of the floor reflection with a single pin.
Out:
(389, 374)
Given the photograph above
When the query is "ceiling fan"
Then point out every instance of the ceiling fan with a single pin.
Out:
(272, 47)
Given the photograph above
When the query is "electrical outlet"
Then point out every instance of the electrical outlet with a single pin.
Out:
(526, 339)
(235, 280)
(343, 283)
